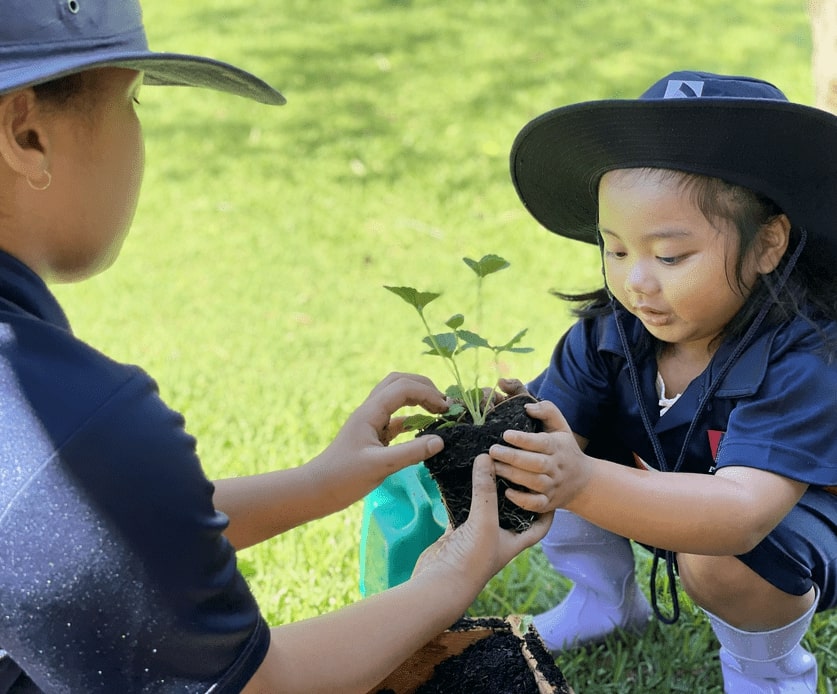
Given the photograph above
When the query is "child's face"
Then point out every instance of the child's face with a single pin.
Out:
(665, 262)
(96, 174)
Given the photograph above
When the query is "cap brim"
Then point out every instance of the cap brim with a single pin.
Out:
(782, 150)
(160, 69)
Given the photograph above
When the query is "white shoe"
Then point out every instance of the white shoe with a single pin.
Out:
(801, 680)
(583, 618)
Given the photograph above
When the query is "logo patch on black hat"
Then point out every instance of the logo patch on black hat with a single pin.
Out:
(683, 89)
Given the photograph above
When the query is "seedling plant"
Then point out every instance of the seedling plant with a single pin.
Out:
(468, 397)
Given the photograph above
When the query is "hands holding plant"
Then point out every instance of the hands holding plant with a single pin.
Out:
(551, 464)
(360, 456)
(455, 340)
(472, 553)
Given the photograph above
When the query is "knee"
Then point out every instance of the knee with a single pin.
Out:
(728, 589)
(714, 583)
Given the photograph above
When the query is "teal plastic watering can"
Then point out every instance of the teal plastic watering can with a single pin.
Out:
(401, 518)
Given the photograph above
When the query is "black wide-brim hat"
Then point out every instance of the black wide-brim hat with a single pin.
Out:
(42, 40)
(738, 129)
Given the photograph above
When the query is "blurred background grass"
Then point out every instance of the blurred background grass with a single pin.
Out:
(251, 286)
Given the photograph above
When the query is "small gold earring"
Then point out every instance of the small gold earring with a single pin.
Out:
(44, 187)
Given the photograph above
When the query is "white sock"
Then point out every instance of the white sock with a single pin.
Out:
(767, 662)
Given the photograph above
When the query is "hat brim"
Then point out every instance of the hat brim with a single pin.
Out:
(160, 69)
(785, 151)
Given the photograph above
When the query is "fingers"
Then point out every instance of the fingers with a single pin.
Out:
(536, 488)
(484, 494)
(479, 548)
(395, 391)
(512, 387)
(534, 462)
(398, 390)
(536, 532)
(393, 458)
(471, 553)
(484, 508)
(537, 503)
(526, 452)
(393, 430)
(549, 414)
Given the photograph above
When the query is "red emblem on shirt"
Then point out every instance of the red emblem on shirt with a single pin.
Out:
(714, 441)
(715, 437)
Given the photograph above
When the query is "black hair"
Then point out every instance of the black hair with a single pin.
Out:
(808, 292)
(62, 91)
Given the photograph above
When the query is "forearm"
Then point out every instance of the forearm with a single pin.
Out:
(722, 514)
(262, 506)
(353, 649)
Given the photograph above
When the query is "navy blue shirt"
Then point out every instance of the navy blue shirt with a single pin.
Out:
(775, 409)
(115, 575)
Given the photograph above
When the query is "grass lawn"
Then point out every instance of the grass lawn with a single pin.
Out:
(251, 286)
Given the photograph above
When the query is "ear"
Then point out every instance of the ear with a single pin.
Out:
(24, 142)
(771, 244)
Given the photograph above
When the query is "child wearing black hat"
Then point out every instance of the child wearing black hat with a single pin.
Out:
(692, 406)
(117, 556)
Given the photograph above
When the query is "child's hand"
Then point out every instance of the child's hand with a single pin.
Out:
(470, 555)
(506, 388)
(361, 449)
(550, 464)
(512, 387)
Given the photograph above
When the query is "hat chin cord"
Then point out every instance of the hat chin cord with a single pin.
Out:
(743, 343)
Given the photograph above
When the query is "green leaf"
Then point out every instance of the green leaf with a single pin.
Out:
(487, 265)
(454, 411)
(455, 321)
(417, 422)
(441, 345)
(415, 298)
(454, 393)
(471, 339)
(510, 345)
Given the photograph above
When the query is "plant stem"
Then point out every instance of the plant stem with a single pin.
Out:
(479, 329)
(468, 395)
(450, 362)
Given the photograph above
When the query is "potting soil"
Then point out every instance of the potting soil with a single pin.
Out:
(451, 468)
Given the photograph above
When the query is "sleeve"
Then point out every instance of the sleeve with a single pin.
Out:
(578, 379)
(788, 426)
(117, 575)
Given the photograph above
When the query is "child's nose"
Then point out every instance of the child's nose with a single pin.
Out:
(640, 279)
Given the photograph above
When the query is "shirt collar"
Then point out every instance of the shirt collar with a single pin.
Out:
(23, 291)
(744, 377)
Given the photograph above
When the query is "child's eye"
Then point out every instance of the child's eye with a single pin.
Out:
(615, 254)
(670, 260)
